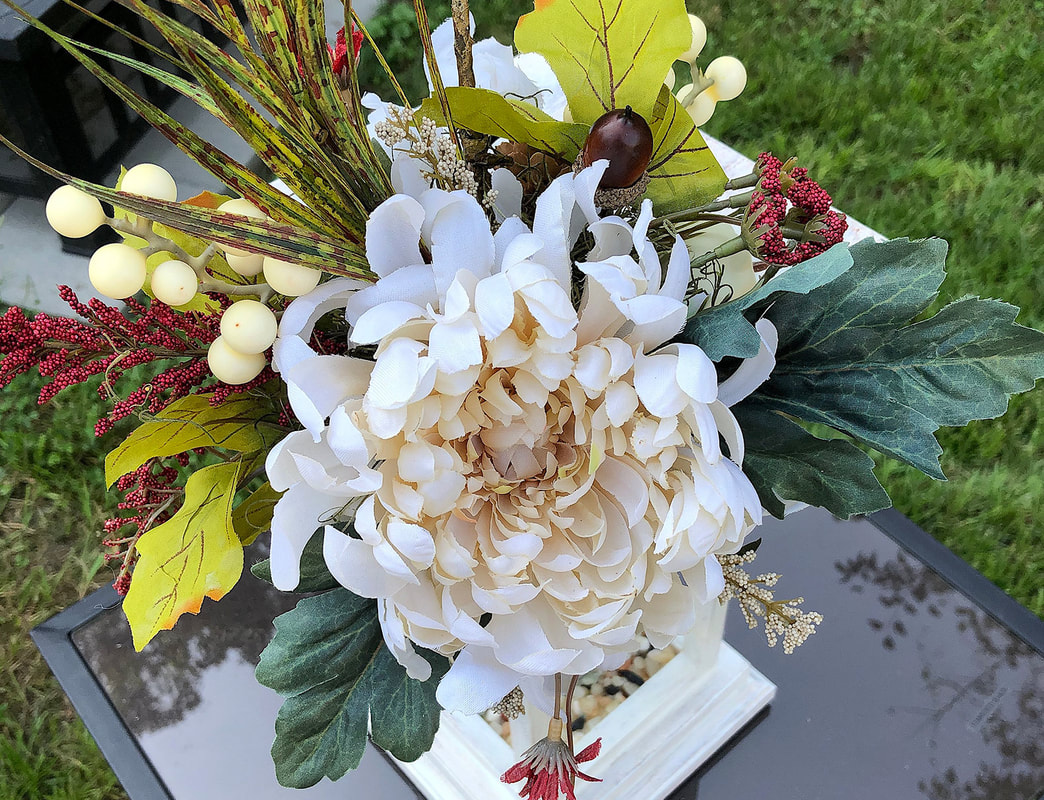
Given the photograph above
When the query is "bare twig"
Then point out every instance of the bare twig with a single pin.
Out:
(463, 43)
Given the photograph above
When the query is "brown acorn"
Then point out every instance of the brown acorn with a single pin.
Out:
(623, 137)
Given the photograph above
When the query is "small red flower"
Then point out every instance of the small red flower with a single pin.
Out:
(549, 767)
(339, 53)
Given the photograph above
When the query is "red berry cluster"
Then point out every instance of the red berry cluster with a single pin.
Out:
(789, 199)
(108, 343)
(151, 494)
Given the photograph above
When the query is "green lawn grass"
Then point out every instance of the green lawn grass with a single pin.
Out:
(921, 118)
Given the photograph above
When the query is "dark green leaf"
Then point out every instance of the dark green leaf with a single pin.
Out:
(786, 462)
(315, 577)
(850, 356)
(329, 661)
(728, 329)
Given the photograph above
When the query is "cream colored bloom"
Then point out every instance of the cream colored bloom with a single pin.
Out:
(533, 484)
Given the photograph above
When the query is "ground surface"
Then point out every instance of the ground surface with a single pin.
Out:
(921, 118)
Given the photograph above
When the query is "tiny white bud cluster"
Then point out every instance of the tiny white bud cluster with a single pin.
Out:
(424, 140)
(783, 618)
(511, 705)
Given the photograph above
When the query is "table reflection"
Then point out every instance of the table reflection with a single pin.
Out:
(908, 689)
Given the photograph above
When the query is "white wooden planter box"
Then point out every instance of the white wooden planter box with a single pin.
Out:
(650, 743)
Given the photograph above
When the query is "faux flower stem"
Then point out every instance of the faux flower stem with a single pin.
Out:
(569, 710)
(729, 248)
(742, 182)
(142, 228)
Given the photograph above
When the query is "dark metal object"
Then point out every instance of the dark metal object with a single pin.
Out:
(53, 108)
(924, 682)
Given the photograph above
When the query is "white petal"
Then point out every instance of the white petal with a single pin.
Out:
(377, 322)
(752, 372)
(495, 305)
(455, 346)
(460, 239)
(393, 235)
(353, 565)
(509, 194)
(322, 383)
(475, 681)
(401, 647)
(414, 284)
(295, 518)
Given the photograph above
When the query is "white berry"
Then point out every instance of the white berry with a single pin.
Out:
(117, 271)
(232, 367)
(150, 180)
(245, 209)
(699, 39)
(701, 109)
(174, 283)
(74, 213)
(249, 327)
(289, 279)
(729, 76)
(248, 266)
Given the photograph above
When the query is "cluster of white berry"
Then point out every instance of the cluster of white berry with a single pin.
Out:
(424, 141)
(783, 618)
(119, 270)
(723, 79)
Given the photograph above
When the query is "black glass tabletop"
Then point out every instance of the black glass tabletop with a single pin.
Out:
(923, 681)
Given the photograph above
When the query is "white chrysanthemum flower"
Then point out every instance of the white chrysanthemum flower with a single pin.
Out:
(533, 483)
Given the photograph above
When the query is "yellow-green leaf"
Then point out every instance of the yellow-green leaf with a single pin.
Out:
(240, 424)
(194, 554)
(607, 53)
(487, 112)
(683, 171)
(253, 516)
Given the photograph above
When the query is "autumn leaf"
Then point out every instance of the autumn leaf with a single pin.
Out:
(683, 172)
(238, 425)
(607, 53)
(194, 554)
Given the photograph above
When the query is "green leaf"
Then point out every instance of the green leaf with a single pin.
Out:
(194, 554)
(315, 577)
(239, 424)
(486, 112)
(786, 462)
(850, 356)
(253, 516)
(683, 172)
(329, 660)
(728, 329)
(607, 53)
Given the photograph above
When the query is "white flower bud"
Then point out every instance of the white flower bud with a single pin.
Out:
(174, 283)
(150, 180)
(232, 367)
(249, 327)
(701, 109)
(290, 279)
(729, 76)
(699, 39)
(117, 271)
(248, 266)
(74, 213)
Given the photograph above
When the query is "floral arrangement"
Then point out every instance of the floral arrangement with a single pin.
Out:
(511, 372)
